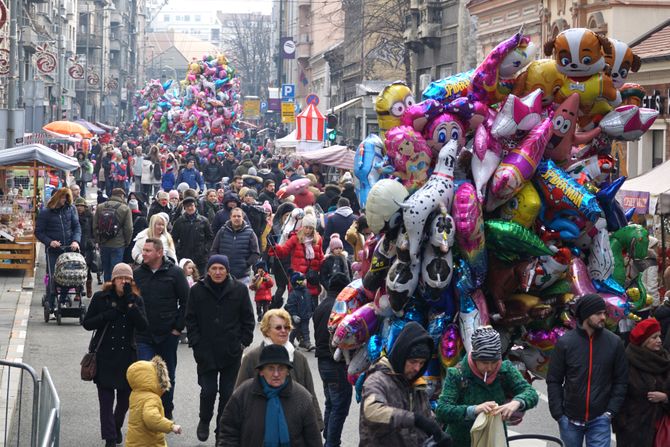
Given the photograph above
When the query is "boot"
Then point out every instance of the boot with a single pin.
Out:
(89, 287)
(202, 431)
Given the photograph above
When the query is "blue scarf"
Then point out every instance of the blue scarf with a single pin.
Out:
(276, 429)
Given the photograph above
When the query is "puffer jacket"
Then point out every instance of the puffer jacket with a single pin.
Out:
(389, 401)
(241, 247)
(212, 172)
(299, 303)
(243, 420)
(58, 224)
(263, 288)
(147, 423)
(587, 375)
(147, 172)
(192, 237)
(193, 178)
(462, 389)
(296, 250)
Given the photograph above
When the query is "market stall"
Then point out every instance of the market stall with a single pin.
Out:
(27, 178)
(336, 156)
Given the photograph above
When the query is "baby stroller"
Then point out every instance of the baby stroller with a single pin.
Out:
(66, 283)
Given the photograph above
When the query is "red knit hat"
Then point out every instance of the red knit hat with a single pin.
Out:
(643, 330)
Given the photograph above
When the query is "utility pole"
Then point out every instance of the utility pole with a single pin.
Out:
(88, 38)
(280, 55)
(13, 105)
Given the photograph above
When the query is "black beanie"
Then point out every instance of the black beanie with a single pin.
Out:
(588, 305)
(338, 282)
(420, 351)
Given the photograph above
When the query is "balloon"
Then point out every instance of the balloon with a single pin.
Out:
(486, 156)
(437, 260)
(410, 155)
(628, 122)
(550, 269)
(368, 164)
(518, 114)
(469, 221)
(391, 104)
(355, 328)
(518, 166)
(601, 258)
(451, 346)
(447, 89)
(433, 378)
(449, 125)
(510, 241)
(375, 347)
(383, 202)
(621, 61)
(524, 207)
(564, 132)
(541, 74)
(359, 363)
(348, 300)
(381, 261)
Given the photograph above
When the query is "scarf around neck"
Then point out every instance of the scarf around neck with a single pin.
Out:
(276, 428)
(647, 360)
(489, 377)
(288, 345)
(309, 248)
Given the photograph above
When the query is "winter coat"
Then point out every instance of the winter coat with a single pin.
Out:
(243, 420)
(241, 247)
(296, 250)
(228, 169)
(220, 323)
(329, 198)
(300, 373)
(322, 336)
(141, 238)
(209, 210)
(255, 215)
(649, 270)
(299, 303)
(193, 178)
(263, 287)
(85, 171)
(139, 224)
(156, 208)
(117, 350)
(213, 172)
(58, 224)
(635, 423)
(124, 216)
(137, 166)
(350, 193)
(119, 171)
(192, 237)
(584, 367)
(339, 222)
(388, 405)
(148, 172)
(462, 389)
(334, 264)
(270, 197)
(305, 199)
(165, 294)
(243, 168)
(147, 423)
(87, 241)
(168, 181)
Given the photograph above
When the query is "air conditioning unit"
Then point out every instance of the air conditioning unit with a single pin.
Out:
(424, 81)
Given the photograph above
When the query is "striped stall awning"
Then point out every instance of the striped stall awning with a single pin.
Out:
(311, 124)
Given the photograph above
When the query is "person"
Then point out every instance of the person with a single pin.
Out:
(160, 205)
(482, 383)
(57, 227)
(299, 306)
(113, 230)
(84, 173)
(646, 401)
(165, 292)
(119, 171)
(356, 236)
(268, 194)
(335, 261)
(157, 230)
(192, 234)
(262, 285)
(304, 249)
(587, 377)
(270, 409)
(230, 201)
(280, 266)
(220, 324)
(212, 173)
(115, 313)
(137, 168)
(336, 388)
(168, 180)
(648, 268)
(395, 410)
(76, 192)
(150, 164)
(254, 212)
(210, 205)
(662, 314)
(190, 271)
(237, 241)
(328, 199)
(339, 222)
(191, 176)
(139, 224)
(348, 192)
(87, 240)
(147, 423)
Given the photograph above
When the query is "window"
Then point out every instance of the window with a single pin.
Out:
(658, 147)
(166, 17)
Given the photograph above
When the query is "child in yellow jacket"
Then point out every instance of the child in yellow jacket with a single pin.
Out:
(147, 423)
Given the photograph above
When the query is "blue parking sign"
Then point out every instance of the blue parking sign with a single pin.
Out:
(288, 91)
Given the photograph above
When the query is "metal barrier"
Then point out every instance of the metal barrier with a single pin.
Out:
(45, 412)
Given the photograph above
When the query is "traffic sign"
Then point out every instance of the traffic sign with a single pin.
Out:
(288, 91)
(264, 106)
(312, 99)
(287, 112)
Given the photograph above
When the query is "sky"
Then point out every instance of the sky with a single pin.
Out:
(264, 6)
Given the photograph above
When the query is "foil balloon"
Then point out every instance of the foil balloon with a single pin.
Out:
(355, 328)
(396, 326)
(433, 378)
(503, 279)
(438, 191)
(541, 74)
(368, 165)
(375, 347)
(524, 207)
(601, 258)
(410, 155)
(469, 220)
(436, 325)
(550, 269)
(518, 114)
(535, 360)
(348, 300)
(518, 166)
(383, 203)
(359, 363)
(621, 60)
(382, 258)
(391, 104)
(614, 213)
(631, 241)
(402, 280)
(595, 169)
(437, 260)
(487, 153)
(510, 241)
(564, 131)
(447, 89)
(451, 346)
(628, 122)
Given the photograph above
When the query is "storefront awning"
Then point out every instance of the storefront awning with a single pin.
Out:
(649, 193)
(345, 105)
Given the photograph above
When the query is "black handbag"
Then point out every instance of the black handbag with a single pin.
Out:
(88, 362)
(96, 261)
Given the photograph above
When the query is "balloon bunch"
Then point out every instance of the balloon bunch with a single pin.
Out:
(490, 204)
(203, 106)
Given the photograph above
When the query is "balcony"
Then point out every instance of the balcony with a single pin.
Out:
(29, 37)
(304, 3)
(115, 16)
(303, 50)
(429, 33)
(89, 40)
(411, 38)
(115, 45)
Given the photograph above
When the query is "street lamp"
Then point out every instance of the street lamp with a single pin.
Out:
(108, 7)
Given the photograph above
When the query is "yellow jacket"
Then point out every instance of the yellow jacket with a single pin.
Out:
(147, 423)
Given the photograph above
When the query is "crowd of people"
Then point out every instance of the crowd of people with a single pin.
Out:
(189, 239)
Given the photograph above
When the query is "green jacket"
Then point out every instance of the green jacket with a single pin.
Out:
(462, 388)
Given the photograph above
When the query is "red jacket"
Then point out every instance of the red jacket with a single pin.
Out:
(293, 248)
(263, 288)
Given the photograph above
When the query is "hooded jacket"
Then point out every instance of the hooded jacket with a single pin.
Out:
(223, 215)
(339, 222)
(147, 423)
(192, 237)
(58, 224)
(389, 400)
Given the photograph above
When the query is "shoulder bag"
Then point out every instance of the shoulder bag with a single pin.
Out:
(88, 362)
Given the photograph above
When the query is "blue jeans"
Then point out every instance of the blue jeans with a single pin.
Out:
(337, 391)
(597, 432)
(167, 350)
(110, 257)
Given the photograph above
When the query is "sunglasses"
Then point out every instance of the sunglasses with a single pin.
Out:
(279, 328)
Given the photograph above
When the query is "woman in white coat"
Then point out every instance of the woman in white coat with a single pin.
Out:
(150, 162)
(157, 229)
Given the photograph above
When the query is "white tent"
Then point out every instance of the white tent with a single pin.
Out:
(649, 193)
(291, 141)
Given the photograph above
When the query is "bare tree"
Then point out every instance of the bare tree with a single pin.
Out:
(248, 48)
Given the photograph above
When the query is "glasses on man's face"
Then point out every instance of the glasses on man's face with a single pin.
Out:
(279, 328)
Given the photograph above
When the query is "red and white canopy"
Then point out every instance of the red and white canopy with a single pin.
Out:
(311, 124)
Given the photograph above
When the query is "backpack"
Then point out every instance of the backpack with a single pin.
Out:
(157, 171)
(108, 222)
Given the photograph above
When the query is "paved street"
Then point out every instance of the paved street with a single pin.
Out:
(61, 348)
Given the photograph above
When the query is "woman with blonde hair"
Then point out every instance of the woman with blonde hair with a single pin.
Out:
(158, 230)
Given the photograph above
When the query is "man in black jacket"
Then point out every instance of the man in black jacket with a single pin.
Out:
(165, 292)
(220, 322)
(588, 376)
(192, 234)
(336, 388)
